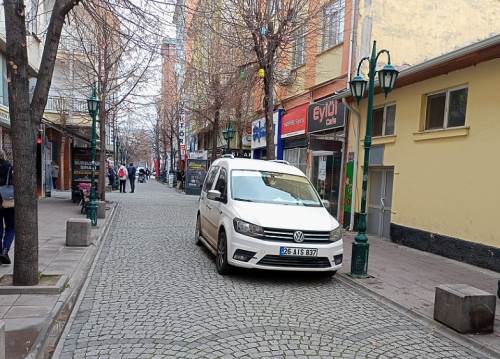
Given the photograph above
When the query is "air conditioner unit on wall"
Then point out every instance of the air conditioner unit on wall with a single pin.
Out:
(285, 77)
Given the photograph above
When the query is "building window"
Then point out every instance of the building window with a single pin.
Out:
(31, 17)
(296, 157)
(333, 24)
(383, 119)
(4, 95)
(298, 55)
(446, 109)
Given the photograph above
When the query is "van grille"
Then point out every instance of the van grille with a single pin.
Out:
(293, 261)
(286, 235)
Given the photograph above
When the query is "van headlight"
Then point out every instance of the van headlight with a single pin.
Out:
(248, 229)
(336, 234)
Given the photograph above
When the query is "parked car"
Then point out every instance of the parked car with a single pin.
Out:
(267, 215)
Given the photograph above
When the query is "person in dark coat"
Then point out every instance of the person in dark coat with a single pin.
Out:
(7, 232)
(131, 176)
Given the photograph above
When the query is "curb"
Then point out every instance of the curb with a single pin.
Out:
(74, 310)
(442, 329)
(53, 327)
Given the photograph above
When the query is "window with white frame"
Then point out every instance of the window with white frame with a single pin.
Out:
(383, 119)
(298, 55)
(31, 17)
(446, 109)
(333, 24)
(4, 95)
(296, 157)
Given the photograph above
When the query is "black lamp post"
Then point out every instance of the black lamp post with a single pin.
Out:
(228, 134)
(387, 78)
(93, 107)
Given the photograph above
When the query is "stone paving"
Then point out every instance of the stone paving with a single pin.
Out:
(155, 294)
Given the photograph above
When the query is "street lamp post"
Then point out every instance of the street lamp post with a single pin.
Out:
(387, 77)
(228, 134)
(93, 107)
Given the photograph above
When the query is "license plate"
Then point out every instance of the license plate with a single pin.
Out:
(300, 252)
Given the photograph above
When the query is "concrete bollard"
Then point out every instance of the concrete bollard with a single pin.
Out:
(101, 209)
(78, 232)
(2, 340)
(464, 308)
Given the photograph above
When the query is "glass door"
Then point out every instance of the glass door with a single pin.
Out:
(326, 177)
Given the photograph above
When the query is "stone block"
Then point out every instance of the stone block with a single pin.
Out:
(78, 232)
(464, 308)
(101, 209)
(2, 340)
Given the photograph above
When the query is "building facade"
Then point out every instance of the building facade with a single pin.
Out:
(432, 185)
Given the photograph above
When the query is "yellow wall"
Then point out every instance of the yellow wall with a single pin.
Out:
(416, 30)
(446, 185)
(328, 65)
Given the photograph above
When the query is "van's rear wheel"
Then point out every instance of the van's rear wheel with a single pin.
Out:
(197, 232)
(221, 263)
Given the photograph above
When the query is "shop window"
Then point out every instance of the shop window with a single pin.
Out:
(296, 157)
(383, 119)
(446, 109)
(333, 24)
(298, 55)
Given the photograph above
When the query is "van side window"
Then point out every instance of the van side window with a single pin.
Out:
(209, 179)
(221, 184)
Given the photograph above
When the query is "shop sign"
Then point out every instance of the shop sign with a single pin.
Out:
(198, 155)
(294, 121)
(325, 115)
(259, 131)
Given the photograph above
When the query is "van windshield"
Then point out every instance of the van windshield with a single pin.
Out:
(272, 187)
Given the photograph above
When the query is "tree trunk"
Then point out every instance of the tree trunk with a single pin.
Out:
(102, 155)
(23, 145)
(268, 109)
(215, 134)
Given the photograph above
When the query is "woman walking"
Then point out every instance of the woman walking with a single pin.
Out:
(6, 214)
(122, 176)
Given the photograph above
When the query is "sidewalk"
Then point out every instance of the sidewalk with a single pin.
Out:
(32, 320)
(408, 277)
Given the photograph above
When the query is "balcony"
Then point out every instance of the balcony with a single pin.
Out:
(66, 105)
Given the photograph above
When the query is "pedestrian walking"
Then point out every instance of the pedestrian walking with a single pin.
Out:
(111, 176)
(148, 173)
(122, 176)
(54, 174)
(6, 211)
(131, 176)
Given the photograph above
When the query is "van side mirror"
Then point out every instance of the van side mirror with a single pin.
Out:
(214, 195)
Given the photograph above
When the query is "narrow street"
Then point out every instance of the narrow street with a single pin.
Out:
(155, 294)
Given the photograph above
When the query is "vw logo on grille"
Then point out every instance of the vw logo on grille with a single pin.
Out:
(298, 236)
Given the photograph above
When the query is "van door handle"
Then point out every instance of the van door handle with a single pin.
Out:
(382, 202)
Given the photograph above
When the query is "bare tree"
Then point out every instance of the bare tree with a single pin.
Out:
(269, 28)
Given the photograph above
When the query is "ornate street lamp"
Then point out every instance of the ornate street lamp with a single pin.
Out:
(228, 134)
(387, 78)
(93, 107)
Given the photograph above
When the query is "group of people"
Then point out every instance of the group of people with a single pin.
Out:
(123, 173)
(7, 231)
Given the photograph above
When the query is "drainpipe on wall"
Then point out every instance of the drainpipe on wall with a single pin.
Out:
(352, 44)
(356, 128)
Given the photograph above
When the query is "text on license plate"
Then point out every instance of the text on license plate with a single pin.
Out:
(302, 252)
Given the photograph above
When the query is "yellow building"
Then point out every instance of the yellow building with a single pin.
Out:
(433, 175)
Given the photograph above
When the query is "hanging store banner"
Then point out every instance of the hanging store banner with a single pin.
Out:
(294, 121)
(326, 114)
(259, 131)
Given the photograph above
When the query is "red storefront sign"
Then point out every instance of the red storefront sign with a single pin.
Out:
(294, 121)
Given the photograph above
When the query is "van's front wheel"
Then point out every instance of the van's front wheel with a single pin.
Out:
(221, 263)
(197, 232)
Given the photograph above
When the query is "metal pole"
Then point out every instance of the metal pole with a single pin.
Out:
(360, 246)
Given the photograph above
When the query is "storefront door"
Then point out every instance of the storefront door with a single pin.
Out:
(326, 177)
(380, 202)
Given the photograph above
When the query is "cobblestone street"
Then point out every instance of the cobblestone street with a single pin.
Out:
(155, 294)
